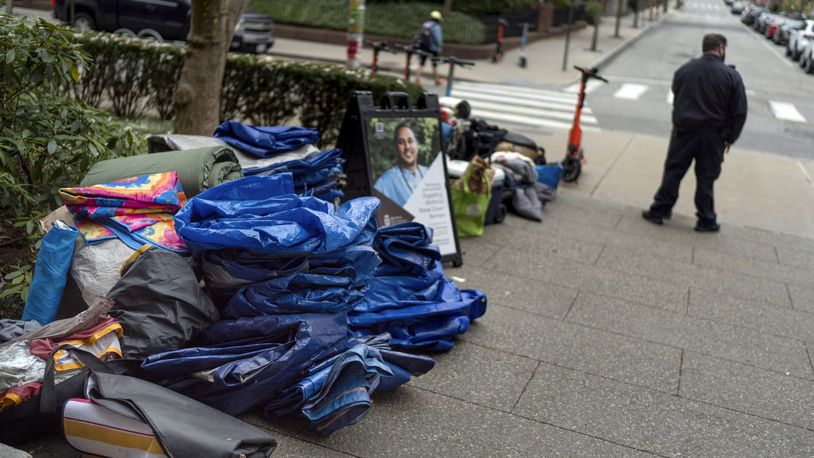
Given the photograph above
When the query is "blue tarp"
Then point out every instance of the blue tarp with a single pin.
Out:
(265, 141)
(319, 175)
(368, 363)
(410, 298)
(326, 283)
(262, 214)
(251, 359)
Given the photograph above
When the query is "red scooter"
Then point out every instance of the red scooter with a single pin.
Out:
(574, 156)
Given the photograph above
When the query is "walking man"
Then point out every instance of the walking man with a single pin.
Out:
(430, 39)
(709, 110)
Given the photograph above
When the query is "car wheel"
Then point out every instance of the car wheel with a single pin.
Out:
(83, 21)
(810, 65)
(795, 55)
(788, 51)
(150, 34)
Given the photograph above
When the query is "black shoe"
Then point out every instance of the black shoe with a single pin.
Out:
(707, 227)
(652, 218)
(668, 215)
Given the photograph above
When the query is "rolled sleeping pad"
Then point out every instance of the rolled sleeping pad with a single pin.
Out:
(198, 169)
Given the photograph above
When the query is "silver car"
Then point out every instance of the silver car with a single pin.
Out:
(799, 39)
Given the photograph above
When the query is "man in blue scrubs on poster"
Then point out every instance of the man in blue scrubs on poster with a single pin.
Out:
(399, 181)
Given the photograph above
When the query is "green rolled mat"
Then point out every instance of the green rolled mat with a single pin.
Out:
(198, 169)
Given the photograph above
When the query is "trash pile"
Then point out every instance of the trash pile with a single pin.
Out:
(223, 276)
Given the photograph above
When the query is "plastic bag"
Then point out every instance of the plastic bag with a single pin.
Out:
(470, 198)
(50, 273)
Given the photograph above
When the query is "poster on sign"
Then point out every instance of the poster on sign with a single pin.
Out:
(395, 154)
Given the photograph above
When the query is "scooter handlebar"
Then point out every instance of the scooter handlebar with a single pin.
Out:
(453, 61)
(592, 72)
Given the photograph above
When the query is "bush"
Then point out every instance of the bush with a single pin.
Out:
(47, 139)
(256, 89)
(483, 7)
(392, 19)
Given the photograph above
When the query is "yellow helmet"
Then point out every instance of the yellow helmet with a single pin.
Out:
(437, 15)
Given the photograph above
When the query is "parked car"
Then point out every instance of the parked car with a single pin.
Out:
(737, 7)
(781, 37)
(750, 14)
(762, 21)
(161, 20)
(807, 58)
(799, 39)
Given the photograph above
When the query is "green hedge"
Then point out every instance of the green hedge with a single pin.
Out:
(400, 20)
(132, 76)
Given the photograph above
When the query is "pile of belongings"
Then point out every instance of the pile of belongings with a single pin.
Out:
(249, 294)
(410, 298)
(530, 195)
(287, 149)
(56, 376)
(284, 270)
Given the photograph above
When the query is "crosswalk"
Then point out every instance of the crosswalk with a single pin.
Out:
(554, 109)
(661, 93)
(523, 105)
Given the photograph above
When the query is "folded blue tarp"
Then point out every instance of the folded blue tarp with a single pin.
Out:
(262, 214)
(309, 170)
(227, 271)
(353, 376)
(265, 141)
(249, 360)
(326, 283)
(410, 298)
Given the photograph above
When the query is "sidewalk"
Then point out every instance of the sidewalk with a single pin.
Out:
(544, 56)
(758, 190)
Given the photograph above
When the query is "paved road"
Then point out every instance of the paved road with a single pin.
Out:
(638, 98)
(770, 78)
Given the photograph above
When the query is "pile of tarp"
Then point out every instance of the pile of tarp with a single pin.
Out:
(252, 292)
(285, 270)
(287, 149)
(410, 298)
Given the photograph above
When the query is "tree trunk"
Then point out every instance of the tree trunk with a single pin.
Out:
(197, 99)
(448, 7)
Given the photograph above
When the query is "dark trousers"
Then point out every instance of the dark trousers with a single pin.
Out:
(707, 149)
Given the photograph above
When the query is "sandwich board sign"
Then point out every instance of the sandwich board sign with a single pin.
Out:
(393, 151)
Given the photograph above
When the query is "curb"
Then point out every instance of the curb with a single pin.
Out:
(613, 53)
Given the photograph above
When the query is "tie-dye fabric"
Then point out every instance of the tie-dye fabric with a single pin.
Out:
(137, 210)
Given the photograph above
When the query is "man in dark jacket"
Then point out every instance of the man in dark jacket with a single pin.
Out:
(709, 111)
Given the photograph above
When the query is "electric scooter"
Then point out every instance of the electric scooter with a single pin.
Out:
(501, 27)
(523, 41)
(574, 156)
(378, 46)
(453, 62)
(409, 51)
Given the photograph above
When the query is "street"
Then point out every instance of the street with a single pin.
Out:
(638, 98)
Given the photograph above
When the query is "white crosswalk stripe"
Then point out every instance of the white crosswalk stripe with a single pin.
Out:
(523, 105)
(589, 87)
(786, 111)
(630, 91)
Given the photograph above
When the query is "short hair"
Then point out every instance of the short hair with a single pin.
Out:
(712, 41)
(402, 125)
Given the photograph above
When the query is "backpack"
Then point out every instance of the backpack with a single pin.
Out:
(423, 37)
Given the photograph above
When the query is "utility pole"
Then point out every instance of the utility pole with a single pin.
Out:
(596, 31)
(618, 17)
(636, 15)
(356, 29)
(568, 34)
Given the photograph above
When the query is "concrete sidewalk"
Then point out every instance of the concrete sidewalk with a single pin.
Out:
(544, 56)
(758, 190)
